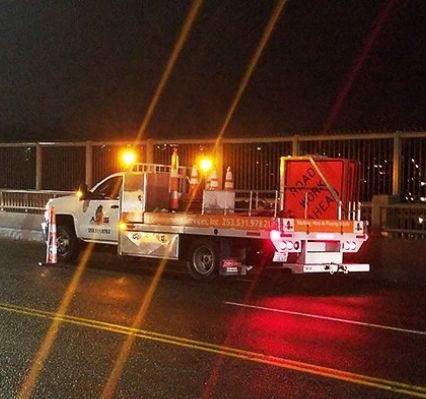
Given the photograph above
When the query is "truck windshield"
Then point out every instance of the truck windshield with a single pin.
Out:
(109, 189)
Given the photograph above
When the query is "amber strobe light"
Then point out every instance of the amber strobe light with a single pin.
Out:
(128, 157)
(205, 164)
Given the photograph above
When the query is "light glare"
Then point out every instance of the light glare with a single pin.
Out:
(274, 235)
(128, 157)
(206, 164)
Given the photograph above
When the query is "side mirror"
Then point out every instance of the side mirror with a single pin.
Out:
(83, 192)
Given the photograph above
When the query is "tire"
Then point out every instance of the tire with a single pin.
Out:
(203, 260)
(67, 243)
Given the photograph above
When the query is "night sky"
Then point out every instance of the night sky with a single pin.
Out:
(72, 70)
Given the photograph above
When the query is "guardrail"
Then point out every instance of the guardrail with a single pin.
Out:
(403, 221)
(30, 201)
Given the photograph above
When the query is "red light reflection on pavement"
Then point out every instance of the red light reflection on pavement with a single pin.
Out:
(287, 336)
(349, 307)
(316, 341)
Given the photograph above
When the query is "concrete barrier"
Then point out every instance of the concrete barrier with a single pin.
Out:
(403, 260)
(21, 226)
(393, 259)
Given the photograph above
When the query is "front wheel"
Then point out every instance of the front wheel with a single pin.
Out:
(203, 260)
(68, 247)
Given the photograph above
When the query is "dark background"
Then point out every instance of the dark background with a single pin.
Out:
(87, 70)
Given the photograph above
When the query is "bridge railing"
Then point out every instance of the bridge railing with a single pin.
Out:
(406, 221)
(391, 163)
(29, 201)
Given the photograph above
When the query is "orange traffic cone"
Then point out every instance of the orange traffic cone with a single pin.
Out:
(214, 183)
(52, 249)
(174, 200)
(194, 182)
(229, 182)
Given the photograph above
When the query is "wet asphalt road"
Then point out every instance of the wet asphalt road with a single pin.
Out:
(272, 337)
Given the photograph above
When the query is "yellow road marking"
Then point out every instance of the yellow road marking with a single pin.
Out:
(120, 361)
(360, 379)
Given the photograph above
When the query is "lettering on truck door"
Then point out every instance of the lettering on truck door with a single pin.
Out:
(99, 215)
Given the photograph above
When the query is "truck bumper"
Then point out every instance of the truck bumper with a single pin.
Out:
(330, 268)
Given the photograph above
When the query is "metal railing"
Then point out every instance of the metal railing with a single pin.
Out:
(403, 221)
(366, 211)
(29, 201)
(392, 163)
(159, 168)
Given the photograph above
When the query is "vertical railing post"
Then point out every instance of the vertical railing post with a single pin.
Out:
(149, 151)
(89, 164)
(295, 145)
(39, 167)
(396, 170)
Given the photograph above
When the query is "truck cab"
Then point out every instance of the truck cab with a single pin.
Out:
(88, 216)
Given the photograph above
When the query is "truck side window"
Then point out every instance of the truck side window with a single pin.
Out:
(109, 189)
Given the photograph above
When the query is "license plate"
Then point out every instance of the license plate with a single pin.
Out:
(280, 257)
(231, 263)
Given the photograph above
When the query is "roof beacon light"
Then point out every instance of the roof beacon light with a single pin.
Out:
(206, 164)
(128, 157)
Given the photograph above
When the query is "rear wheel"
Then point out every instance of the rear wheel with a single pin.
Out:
(67, 243)
(203, 260)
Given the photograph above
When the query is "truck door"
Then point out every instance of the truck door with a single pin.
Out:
(99, 215)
